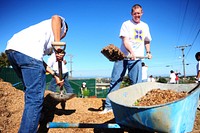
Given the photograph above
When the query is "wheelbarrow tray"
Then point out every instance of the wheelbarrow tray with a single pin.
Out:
(174, 117)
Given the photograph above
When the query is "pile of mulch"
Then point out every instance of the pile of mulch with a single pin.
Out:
(158, 96)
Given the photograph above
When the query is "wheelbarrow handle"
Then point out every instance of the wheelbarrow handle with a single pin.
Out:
(81, 125)
(196, 87)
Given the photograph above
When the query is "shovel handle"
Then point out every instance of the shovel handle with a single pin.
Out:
(58, 44)
(60, 75)
(54, 44)
(60, 69)
(137, 57)
(59, 50)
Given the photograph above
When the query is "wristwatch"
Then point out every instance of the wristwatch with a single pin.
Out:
(148, 52)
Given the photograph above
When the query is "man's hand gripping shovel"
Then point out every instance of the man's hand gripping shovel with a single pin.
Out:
(59, 48)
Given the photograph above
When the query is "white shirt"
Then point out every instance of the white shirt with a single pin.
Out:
(137, 34)
(172, 78)
(34, 41)
(54, 64)
(144, 72)
(151, 79)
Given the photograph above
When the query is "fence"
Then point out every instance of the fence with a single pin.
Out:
(8, 75)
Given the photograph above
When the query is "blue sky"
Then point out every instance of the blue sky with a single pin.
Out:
(93, 24)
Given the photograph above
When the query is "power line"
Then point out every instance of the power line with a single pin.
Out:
(193, 27)
(193, 41)
(183, 20)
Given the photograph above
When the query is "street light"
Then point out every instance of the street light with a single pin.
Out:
(71, 56)
(183, 55)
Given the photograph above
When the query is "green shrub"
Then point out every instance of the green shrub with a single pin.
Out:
(162, 80)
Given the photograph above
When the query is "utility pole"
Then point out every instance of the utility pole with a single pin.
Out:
(183, 56)
(70, 56)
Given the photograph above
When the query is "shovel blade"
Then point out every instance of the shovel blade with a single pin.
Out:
(62, 97)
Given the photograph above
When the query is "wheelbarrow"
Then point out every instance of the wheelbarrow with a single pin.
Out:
(174, 117)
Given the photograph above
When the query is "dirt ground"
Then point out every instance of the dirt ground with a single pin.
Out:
(77, 110)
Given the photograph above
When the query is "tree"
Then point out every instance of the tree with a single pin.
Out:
(4, 60)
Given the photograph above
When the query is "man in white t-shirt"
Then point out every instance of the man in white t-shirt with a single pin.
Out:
(54, 65)
(25, 51)
(135, 36)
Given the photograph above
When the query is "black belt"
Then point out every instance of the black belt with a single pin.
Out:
(9, 50)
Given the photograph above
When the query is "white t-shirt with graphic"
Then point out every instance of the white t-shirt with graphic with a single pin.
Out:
(137, 34)
(35, 41)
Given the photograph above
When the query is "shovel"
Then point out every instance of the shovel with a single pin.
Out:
(113, 53)
(61, 96)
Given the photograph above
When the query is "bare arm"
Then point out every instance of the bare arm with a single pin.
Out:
(49, 70)
(128, 47)
(147, 47)
(56, 27)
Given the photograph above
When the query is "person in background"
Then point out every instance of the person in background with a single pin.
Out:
(83, 89)
(177, 78)
(172, 77)
(151, 79)
(135, 36)
(54, 65)
(144, 72)
(25, 52)
(197, 56)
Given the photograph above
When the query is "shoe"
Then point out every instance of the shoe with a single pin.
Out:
(106, 110)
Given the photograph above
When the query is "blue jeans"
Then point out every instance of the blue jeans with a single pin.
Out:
(119, 70)
(68, 88)
(32, 74)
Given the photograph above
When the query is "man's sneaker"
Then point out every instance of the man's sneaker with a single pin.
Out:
(106, 110)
